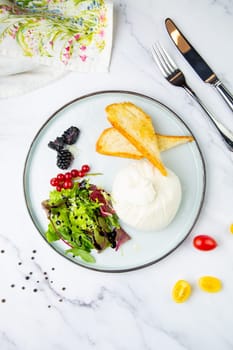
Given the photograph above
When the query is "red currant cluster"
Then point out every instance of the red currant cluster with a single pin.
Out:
(66, 180)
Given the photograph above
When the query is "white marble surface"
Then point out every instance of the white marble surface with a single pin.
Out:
(132, 310)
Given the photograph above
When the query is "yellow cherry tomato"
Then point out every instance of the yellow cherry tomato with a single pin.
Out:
(231, 228)
(210, 284)
(181, 291)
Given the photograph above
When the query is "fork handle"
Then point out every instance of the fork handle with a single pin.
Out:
(226, 134)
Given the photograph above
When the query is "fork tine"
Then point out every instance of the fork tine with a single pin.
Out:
(169, 61)
(159, 60)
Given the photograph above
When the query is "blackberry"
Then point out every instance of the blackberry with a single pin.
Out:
(64, 159)
(57, 144)
(70, 135)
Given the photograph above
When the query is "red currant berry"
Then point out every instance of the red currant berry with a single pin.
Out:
(58, 188)
(81, 173)
(54, 181)
(74, 173)
(68, 184)
(68, 176)
(85, 168)
(61, 177)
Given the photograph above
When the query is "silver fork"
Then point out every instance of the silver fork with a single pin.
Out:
(176, 77)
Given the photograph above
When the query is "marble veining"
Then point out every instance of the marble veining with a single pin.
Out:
(48, 303)
(226, 5)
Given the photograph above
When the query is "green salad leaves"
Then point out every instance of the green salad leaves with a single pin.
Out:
(83, 218)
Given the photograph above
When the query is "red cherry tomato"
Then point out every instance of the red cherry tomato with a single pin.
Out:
(204, 242)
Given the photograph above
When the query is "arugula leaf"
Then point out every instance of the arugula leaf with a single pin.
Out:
(82, 254)
(51, 235)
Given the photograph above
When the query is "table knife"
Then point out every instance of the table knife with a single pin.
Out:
(197, 62)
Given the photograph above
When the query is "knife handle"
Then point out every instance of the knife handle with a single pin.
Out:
(224, 93)
(226, 134)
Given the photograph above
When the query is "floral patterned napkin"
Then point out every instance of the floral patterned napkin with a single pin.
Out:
(65, 34)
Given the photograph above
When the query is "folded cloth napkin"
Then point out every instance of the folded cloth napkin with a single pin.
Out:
(40, 40)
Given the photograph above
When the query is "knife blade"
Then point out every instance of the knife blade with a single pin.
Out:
(197, 62)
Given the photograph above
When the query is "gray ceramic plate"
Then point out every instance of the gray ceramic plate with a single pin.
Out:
(88, 114)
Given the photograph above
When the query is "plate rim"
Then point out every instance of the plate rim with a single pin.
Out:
(102, 92)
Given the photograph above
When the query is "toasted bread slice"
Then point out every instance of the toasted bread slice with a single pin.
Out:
(133, 123)
(112, 142)
(166, 142)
